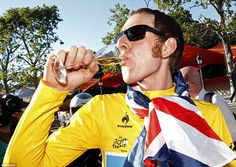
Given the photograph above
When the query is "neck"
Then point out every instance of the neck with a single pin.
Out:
(156, 83)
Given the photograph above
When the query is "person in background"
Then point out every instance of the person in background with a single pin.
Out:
(78, 101)
(3, 123)
(196, 90)
(3, 147)
(150, 44)
(91, 157)
(10, 113)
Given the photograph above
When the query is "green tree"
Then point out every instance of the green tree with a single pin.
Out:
(195, 33)
(32, 30)
(8, 47)
(232, 30)
(224, 27)
(117, 19)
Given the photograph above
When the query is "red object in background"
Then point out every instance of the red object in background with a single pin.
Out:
(213, 55)
(220, 49)
(113, 80)
(109, 80)
(208, 57)
(216, 80)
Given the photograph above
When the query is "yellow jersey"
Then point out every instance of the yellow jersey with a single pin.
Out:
(105, 122)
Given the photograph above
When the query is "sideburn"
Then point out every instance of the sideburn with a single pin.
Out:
(156, 50)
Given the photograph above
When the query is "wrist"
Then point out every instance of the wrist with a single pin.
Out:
(57, 87)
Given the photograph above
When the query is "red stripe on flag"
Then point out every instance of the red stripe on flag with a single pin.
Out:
(154, 128)
(141, 112)
(185, 115)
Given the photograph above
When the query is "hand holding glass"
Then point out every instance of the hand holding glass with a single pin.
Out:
(105, 56)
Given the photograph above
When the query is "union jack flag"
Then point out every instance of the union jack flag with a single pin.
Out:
(174, 132)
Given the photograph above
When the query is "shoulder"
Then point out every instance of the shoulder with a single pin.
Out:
(207, 109)
(219, 100)
(100, 102)
(100, 105)
(205, 105)
(218, 97)
(108, 96)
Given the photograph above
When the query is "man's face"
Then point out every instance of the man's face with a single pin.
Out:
(138, 61)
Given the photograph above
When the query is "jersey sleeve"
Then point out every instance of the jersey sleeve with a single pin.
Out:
(28, 146)
(31, 144)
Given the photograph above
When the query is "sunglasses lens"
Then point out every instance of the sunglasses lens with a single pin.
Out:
(136, 33)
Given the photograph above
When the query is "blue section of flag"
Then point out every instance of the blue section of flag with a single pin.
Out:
(184, 161)
(137, 97)
(135, 158)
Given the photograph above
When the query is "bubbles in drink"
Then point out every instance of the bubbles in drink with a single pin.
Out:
(108, 60)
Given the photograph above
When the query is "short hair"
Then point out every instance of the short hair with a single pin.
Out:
(170, 28)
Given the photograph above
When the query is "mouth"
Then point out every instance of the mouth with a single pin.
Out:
(124, 60)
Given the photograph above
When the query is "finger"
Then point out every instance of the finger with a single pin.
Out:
(78, 61)
(70, 57)
(89, 56)
(92, 69)
(61, 55)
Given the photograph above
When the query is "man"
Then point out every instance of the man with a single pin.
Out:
(151, 44)
(196, 90)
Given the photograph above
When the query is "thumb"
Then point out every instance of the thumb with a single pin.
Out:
(92, 69)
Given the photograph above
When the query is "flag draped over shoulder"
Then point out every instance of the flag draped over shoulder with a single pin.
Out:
(174, 132)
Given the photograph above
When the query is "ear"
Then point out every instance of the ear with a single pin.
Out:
(169, 47)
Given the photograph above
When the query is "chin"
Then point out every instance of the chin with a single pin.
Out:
(128, 76)
(129, 80)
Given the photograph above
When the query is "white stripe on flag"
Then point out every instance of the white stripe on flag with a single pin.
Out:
(187, 140)
(184, 103)
(132, 103)
(155, 146)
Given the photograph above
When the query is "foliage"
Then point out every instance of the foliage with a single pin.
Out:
(223, 8)
(232, 30)
(195, 33)
(26, 38)
(118, 17)
(224, 28)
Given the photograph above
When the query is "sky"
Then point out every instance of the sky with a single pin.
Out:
(84, 21)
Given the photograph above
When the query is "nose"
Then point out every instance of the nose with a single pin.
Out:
(122, 42)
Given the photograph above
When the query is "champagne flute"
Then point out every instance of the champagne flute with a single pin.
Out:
(105, 56)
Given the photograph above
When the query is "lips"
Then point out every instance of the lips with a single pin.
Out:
(124, 61)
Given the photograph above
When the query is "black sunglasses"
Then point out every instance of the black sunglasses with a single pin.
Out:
(138, 32)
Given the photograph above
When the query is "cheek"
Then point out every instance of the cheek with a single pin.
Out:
(143, 68)
(143, 64)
